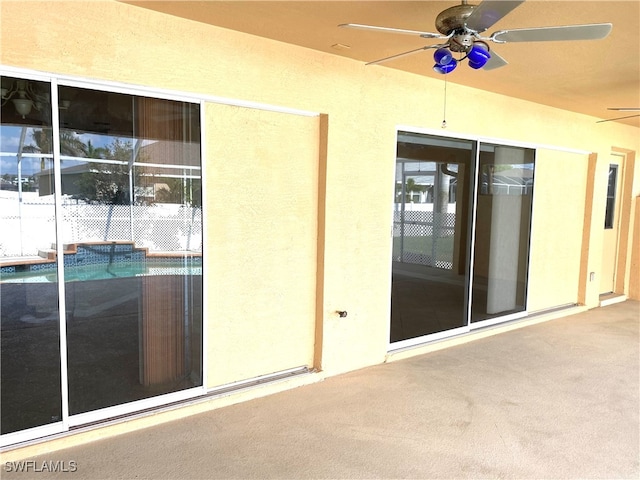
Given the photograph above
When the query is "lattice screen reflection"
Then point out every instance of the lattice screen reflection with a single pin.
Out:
(424, 238)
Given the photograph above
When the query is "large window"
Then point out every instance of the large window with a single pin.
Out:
(100, 252)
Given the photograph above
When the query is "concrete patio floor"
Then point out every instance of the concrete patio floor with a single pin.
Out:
(559, 399)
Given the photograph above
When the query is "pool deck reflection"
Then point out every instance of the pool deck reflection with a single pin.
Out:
(85, 254)
(126, 338)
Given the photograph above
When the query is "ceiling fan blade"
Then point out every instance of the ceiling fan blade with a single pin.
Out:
(495, 61)
(619, 118)
(626, 109)
(488, 13)
(593, 31)
(392, 30)
(403, 54)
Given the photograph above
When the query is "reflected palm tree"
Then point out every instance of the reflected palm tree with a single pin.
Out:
(106, 183)
(101, 183)
(70, 144)
(412, 187)
(95, 152)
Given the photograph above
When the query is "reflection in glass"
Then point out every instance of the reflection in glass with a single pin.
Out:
(432, 235)
(430, 243)
(131, 208)
(133, 330)
(130, 216)
(30, 343)
(609, 214)
(502, 231)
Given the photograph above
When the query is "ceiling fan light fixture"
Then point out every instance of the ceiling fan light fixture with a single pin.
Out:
(444, 69)
(460, 28)
(478, 56)
(443, 56)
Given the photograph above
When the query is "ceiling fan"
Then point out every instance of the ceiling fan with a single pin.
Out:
(625, 109)
(460, 27)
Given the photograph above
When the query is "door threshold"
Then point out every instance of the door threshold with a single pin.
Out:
(611, 298)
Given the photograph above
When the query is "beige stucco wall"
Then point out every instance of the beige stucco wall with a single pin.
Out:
(558, 217)
(262, 230)
(121, 43)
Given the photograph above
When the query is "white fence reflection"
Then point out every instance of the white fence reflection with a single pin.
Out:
(28, 226)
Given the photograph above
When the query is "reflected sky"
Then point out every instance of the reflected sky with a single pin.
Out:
(10, 144)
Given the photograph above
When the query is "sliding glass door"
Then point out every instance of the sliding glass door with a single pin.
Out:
(462, 214)
(100, 254)
(132, 208)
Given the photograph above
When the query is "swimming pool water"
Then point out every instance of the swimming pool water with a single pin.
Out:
(104, 271)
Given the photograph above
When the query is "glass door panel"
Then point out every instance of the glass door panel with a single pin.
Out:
(131, 211)
(503, 220)
(430, 244)
(29, 318)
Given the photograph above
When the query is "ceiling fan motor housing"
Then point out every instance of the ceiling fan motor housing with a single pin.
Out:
(453, 19)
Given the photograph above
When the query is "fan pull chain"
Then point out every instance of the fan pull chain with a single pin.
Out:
(444, 113)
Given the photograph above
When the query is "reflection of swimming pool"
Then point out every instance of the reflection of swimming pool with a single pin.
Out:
(133, 330)
(103, 271)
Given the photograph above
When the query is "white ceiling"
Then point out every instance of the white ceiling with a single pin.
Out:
(581, 76)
